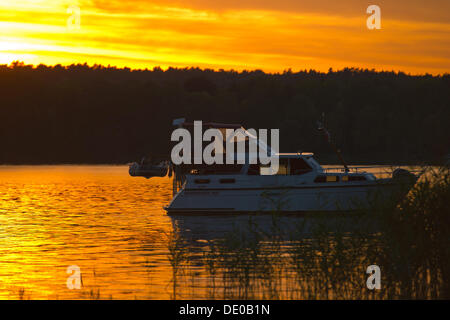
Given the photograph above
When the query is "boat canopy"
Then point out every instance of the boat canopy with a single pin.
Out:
(246, 136)
(215, 125)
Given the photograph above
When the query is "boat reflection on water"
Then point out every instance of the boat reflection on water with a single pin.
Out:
(271, 256)
(206, 228)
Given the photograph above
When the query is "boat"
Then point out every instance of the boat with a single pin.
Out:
(301, 185)
(148, 170)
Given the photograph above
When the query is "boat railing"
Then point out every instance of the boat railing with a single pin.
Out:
(377, 170)
(358, 168)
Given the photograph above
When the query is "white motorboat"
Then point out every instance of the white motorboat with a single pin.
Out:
(300, 185)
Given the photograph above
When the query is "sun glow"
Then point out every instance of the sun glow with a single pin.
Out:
(143, 35)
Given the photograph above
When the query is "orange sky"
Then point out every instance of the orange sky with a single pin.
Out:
(232, 34)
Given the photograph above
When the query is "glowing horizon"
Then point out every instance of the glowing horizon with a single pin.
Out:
(238, 35)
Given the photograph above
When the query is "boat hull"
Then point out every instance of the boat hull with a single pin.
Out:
(284, 199)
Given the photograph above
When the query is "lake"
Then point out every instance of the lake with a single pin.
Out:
(113, 227)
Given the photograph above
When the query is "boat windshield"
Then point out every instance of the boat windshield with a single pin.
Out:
(287, 166)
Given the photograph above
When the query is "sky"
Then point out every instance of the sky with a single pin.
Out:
(228, 34)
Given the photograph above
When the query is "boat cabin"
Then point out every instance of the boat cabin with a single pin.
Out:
(290, 164)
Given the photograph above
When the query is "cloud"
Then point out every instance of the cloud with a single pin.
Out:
(412, 10)
(272, 36)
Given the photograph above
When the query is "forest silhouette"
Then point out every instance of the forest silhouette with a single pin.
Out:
(98, 114)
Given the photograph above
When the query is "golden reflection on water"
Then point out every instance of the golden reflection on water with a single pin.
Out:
(97, 217)
(107, 223)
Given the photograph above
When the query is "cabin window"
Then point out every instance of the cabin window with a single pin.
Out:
(344, 178)
(201, 181)
(259, 169)
(227, 180)
(298, 166)
(321, 179)
(285, 167)
(357, 178)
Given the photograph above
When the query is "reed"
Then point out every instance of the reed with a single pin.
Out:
(178, 256)
(21, 293)
(325, 257)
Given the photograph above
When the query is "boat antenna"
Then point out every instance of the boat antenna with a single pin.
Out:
(322, 128)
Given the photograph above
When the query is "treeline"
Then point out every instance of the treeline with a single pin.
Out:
(83, 114)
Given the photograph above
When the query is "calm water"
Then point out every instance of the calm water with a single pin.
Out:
(99, 218)
(96, 217)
